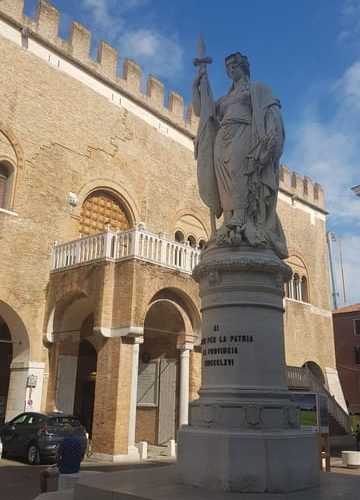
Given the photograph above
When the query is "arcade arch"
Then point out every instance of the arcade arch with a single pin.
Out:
(85, 384)
(15, 365)
(170, 328)
(316, 371)
(73, 357)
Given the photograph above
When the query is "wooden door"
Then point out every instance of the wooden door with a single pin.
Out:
(167, 401)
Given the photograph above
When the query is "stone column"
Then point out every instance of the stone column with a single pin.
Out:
(132, 449)
(68, 351)
(184, 383)
(243, 433)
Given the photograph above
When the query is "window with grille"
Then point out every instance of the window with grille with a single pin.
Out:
(357, 355)
(357, 326)
(100, 210)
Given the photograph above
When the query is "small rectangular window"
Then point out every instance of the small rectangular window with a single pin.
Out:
(356, 326)
(357, 355)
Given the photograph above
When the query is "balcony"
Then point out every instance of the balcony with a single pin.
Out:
(136, 243)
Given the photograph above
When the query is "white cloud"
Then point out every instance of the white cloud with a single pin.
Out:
(350, 11)
(348, 88)
(158, 52)
(100, 12)
(329, 149)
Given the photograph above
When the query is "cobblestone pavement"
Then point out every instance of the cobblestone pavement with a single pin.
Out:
(20, 481)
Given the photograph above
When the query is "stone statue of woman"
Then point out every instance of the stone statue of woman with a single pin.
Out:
(238, 146)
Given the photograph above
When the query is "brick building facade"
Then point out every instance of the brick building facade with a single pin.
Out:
(101, 225)
(347, 348)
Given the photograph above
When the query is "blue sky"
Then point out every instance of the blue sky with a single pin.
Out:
(308, 51)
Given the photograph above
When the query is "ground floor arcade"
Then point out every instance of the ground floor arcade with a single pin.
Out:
(120, 350)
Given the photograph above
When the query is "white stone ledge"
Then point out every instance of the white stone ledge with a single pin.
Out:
(313, 309)
(315, 214)
(8, 212)
(117, 331)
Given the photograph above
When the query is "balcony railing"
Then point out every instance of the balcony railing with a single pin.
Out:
(136, 243)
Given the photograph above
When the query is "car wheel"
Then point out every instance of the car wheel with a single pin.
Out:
(33, 454)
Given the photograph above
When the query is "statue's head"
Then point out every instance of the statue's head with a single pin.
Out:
(239, 60)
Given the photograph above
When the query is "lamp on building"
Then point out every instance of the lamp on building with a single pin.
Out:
(73, 199)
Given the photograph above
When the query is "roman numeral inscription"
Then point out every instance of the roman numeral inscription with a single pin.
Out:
(223, 346)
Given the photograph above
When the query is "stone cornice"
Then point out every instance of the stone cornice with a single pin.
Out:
(241, 261)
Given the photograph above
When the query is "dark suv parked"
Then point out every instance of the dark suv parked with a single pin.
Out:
(36, 436)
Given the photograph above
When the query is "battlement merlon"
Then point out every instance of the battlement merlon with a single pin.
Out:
(45, 28)
(303, 189)
(47, 20)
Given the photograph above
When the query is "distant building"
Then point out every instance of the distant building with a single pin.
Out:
(347, 348)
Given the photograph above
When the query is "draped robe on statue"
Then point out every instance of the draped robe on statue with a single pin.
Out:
(231, 134)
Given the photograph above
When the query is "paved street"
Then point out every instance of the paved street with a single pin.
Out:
(19, 481)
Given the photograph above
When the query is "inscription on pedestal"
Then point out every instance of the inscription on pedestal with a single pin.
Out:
(225, 347)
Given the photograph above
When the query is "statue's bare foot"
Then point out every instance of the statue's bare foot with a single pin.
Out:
(222, 235)
(236, 236)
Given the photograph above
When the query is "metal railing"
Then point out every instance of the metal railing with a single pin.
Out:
(135, 243)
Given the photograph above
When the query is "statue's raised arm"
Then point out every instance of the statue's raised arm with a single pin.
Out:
(238, 148)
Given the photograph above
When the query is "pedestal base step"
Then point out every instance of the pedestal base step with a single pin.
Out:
(161, 484)
(248, 461)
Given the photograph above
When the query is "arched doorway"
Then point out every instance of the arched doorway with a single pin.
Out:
(316, 371)
(6, 355)
(69, 324)
(171, 326)
(15, 365)
(158, 383)
(85, 384)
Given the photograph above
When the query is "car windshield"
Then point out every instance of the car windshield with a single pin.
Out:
(62, 420)
(20, 419)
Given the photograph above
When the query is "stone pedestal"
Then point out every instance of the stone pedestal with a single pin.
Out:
(243, 433)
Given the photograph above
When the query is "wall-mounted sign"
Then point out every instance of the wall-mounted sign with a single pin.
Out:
(313, 410)
(31, 381)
